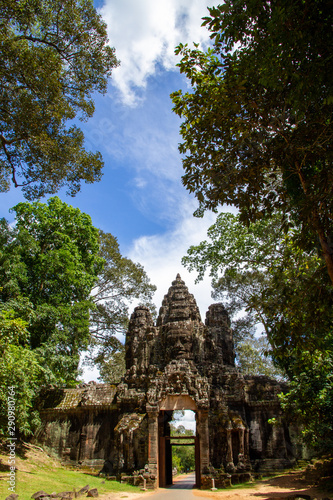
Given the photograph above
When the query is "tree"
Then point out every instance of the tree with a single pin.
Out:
(20, 376)
(64, 287)
(183, 457)
(119, 283)
(267, 273)
(310, 396)
(54, 57)
(257, 126)
(51, 260)
(70, 283)
(253, 358)
(239, 259)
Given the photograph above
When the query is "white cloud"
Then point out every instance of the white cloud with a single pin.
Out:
(161, 256)
(187, 419)
(144, 142)
(145, 34)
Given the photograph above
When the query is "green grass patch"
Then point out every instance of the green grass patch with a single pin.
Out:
(36, 471)
(239, 486)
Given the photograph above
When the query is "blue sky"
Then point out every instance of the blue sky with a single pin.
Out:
(140, 199)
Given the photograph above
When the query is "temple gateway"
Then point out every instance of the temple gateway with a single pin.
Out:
(179, 363)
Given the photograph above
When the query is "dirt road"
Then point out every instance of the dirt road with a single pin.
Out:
(270, 489)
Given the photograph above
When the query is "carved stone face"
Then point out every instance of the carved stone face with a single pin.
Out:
(179, 344)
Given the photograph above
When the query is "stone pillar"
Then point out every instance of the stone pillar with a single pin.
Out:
(241, 440)
(153, 444)
(130, 454)
(203, 432)
(241, 466)
(246, 442)
(121, 460)
(230, 462)
(247, 449)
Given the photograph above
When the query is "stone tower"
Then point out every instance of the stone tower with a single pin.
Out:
(177, 363)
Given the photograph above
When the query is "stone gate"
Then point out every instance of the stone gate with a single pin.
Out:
(178, 363)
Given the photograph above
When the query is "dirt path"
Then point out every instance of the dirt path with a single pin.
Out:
(275, 488)
(271, 489)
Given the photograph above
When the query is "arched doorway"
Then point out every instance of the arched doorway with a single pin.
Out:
(166, 441)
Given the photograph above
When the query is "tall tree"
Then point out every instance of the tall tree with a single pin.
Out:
(54, 56)
(239, 260)
(257, 126)
(65, 287)
(120, 282)
(263, 270)
(20, 376)
(69, 281)
(51, 259)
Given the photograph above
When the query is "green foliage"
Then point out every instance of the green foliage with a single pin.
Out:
(120, 282)
(310, 396)
(54, 57)
(20, 374)
(267, 273)
(49, 263)
(239, 259)
(51, 259)
(254, 358)
(257, 126)
(183, 457)
(111, 362)
(64, 287)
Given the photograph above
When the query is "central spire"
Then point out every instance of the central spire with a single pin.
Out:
(178, 304)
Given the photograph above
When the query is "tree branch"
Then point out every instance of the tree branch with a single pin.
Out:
(4, 143)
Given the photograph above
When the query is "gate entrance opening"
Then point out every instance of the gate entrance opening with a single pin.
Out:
(172, 438)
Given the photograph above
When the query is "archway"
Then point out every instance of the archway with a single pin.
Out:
(166, 440)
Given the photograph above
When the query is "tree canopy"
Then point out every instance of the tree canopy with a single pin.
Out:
(262, 271)
(257, 125)
(65, 287)
(49, 264)
(19, 368)
(54, 56)
(119, 283)
(239, 260)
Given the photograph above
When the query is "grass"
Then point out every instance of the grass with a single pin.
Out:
(37, 471)
(239, 486)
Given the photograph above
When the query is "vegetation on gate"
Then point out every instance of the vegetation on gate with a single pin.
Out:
(257, 134)
(64, 287)
(54, 56)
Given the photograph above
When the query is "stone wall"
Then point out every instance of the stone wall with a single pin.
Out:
(179, 363)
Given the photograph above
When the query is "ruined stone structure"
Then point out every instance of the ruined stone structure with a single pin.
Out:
(179, 363)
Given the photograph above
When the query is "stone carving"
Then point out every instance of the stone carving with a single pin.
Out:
(179, 363)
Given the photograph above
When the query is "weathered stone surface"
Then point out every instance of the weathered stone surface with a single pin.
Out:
(179, 363)
(12, 496)
(83, 490)
(93, 493)
(39, 494)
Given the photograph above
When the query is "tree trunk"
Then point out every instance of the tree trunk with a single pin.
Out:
(327, 251)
